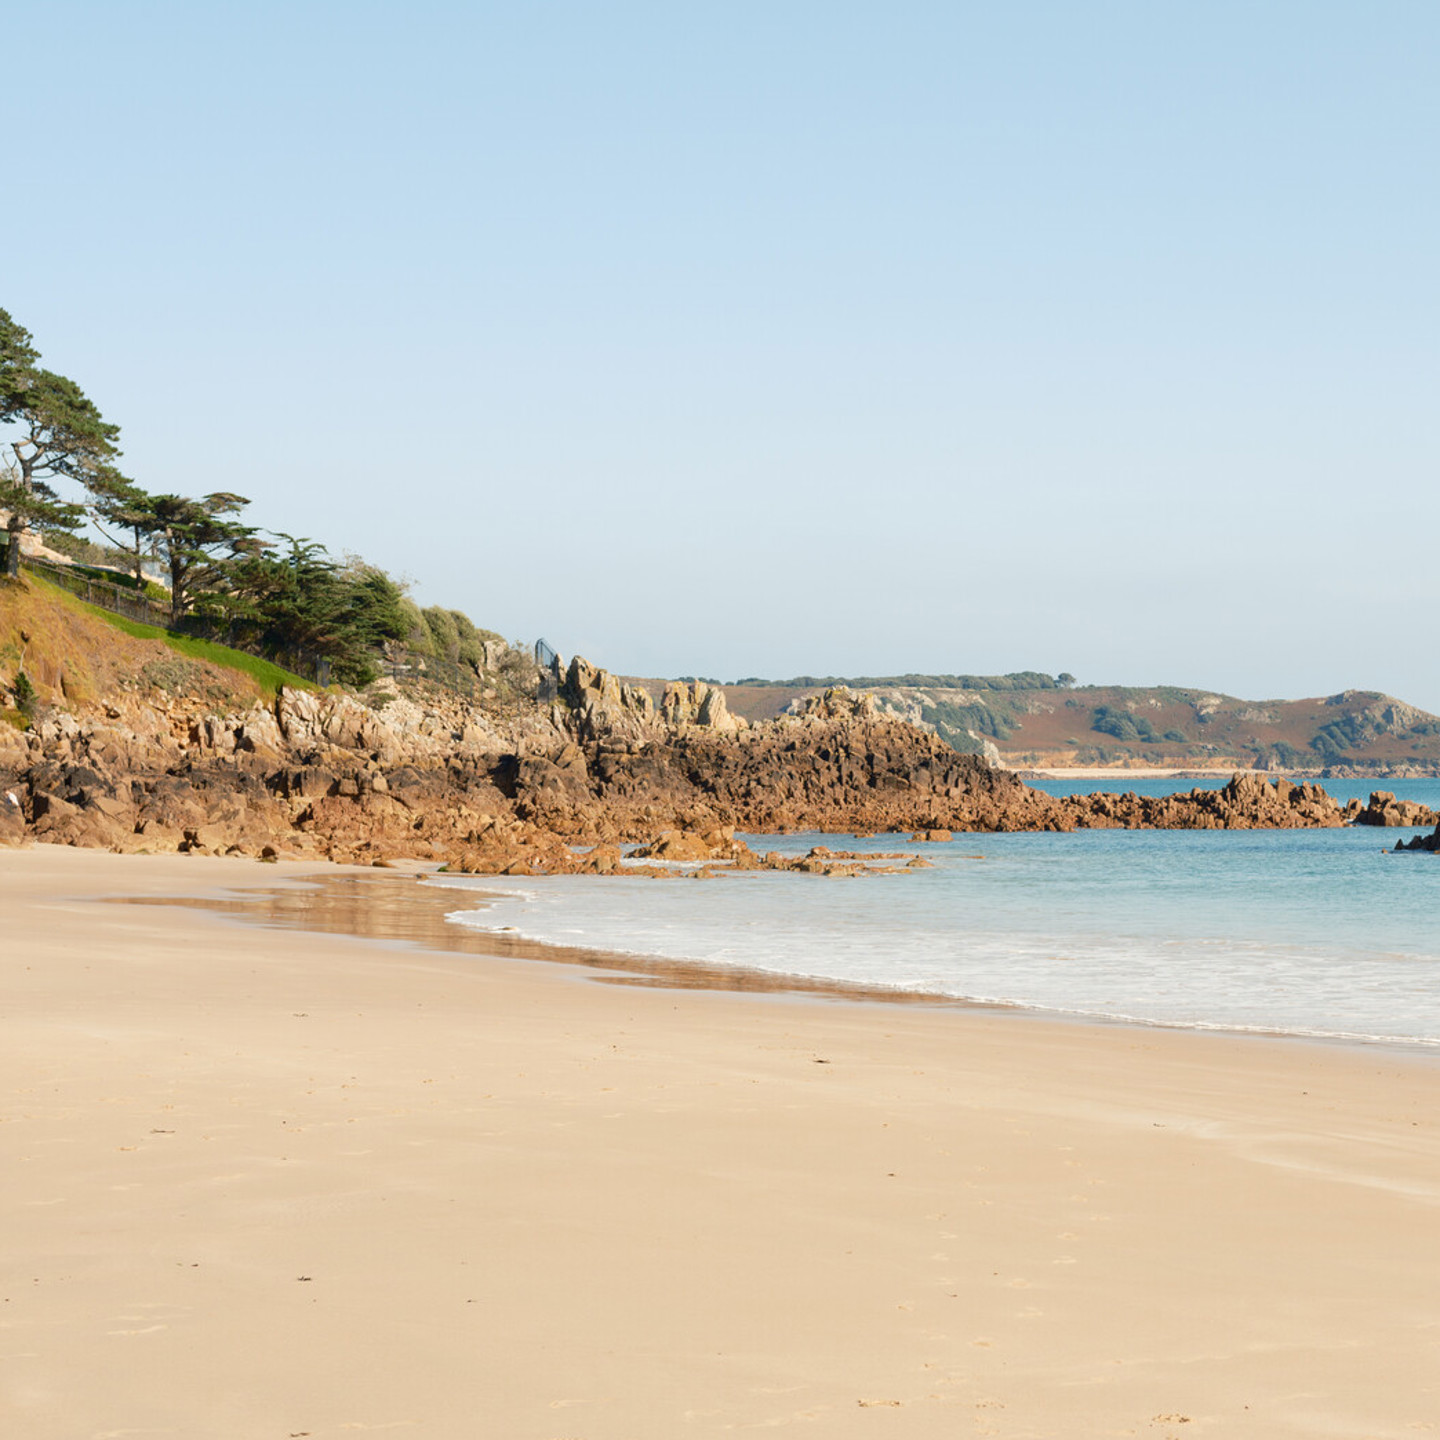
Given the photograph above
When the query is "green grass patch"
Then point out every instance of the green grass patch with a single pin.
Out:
(269, 677)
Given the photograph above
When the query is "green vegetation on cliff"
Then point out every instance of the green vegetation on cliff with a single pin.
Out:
(227, 581)
(266, 675)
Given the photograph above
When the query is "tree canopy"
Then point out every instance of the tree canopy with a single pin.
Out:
(55, 432)
(284, 595)
(194, 539)
(119, 505)
(304, 604)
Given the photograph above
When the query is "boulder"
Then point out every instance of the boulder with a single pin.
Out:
(675, 845)
(12, 818)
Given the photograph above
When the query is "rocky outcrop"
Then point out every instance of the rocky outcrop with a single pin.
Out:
(1246, 802)
(1429, 842)
(698, 703)
(841, 765)
(324, 775)
(1385, 809)
(312, 775)
(133, 747)
(601, 707)
(514, 848)
(856, 774)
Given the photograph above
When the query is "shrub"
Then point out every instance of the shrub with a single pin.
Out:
(444, 636)
(417, 637)
(25, 696)
(1123, 725)
(1347, 733)
(472, 640)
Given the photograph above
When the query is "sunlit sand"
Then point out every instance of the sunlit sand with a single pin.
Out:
(264, 1181)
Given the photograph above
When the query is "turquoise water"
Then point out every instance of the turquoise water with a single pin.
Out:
(1312, 932)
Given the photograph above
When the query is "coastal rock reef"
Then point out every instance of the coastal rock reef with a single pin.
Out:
(1429, 842)
(431, 777)
(126, 745)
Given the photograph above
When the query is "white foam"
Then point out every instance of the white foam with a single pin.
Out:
(1306, 933)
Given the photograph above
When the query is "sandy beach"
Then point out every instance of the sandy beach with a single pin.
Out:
(272, 1183)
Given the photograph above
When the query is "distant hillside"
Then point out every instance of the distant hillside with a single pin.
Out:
(1021, 680)
(1029, 720)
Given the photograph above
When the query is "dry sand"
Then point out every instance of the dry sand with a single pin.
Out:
(261, 1183)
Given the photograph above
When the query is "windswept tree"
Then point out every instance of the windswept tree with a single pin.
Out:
(377, 604)
(304, 604)
(120, 510)
(197, 541)
(54, 432)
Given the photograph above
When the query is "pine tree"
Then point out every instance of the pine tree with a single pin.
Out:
(57, 432)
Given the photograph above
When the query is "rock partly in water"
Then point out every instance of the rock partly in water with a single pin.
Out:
(549, 788)
(1384, 809)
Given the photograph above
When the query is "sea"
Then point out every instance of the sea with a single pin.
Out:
(1319, 933)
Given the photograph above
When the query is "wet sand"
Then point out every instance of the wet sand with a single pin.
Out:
(263, 1180)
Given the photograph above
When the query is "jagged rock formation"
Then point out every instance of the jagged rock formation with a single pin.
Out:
(309, 775)
(842, 765)
(324, 775)
(696, 703)
(1246, 802)
(600, 705)
(1385, 809)
(508, 847)
(1429, 842)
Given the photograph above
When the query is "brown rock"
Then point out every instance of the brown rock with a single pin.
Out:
(676, 845)
(1385, 809)
(603, 860)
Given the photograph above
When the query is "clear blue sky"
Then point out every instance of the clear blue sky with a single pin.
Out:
(771, 338)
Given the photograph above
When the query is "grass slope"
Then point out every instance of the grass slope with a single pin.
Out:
(73, 650)
(267, 676)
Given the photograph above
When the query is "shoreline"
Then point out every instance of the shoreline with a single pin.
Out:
(643, 967)
(275, 1181)
(405, 917)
